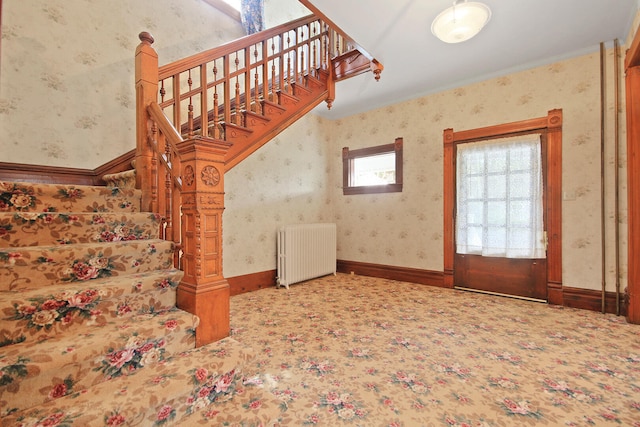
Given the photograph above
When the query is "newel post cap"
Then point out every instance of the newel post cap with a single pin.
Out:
(146, 37)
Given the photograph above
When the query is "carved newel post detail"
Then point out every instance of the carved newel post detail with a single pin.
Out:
(203, 290)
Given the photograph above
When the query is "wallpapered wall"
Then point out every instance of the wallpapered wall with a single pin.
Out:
(405, 229)
(284, 182)
(278, 12)
(67, 76)
(53, 75)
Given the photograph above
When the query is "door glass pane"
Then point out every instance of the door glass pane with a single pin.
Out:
(475, 190)
(520, 184)
(496, 213)
(496, 240)
(475, 213)
(497, 161)
(474, 163)
(496, 186)
(499, 198)
(520, 159)
(474, 237)
(520, 212)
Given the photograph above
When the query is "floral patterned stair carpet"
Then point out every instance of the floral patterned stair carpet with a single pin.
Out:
(360, 351)
(89, 329)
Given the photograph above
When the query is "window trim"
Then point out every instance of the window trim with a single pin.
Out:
(348, 157)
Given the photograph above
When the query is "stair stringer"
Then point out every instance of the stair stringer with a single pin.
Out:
(280, 116)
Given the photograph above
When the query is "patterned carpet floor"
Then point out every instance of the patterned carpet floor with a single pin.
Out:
(360, 351)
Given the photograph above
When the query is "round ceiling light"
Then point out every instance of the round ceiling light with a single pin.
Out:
(461, 21)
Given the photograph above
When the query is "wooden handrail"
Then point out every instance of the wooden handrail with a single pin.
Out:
(172, 136)
(374, 64)
(163, 141)
(217, 52)
(203, 93)
(339, 30)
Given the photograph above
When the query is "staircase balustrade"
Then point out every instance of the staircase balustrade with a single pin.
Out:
(199, 116)
(204, 93)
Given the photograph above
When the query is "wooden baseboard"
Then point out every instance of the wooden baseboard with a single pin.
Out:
(251, 282)
(585, 299)
(412, 275)
(18, 172)
(41, 174)
(589, 299)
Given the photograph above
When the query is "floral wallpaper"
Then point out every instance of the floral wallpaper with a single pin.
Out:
(284, 182)
(67, 72)
(54, 75)
(405, 229)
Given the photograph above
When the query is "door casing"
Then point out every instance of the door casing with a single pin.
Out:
(551, 126)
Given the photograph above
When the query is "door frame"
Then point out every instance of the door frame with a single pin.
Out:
(551, 125)
(632, 89)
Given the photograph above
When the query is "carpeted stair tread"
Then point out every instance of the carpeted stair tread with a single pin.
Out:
(124, 179)
(27, 197)
(70, 363)
(40, 266)
(161, 394)
(35, 314)
(57, 228)
(89, 329)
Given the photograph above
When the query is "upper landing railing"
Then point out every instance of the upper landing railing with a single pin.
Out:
(238, 76)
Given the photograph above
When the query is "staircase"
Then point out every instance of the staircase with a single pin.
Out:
(114, 309)
(89, 329)
(200, 116)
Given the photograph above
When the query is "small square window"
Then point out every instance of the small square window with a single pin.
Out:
(373, 169)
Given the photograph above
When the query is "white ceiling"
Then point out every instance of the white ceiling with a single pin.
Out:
(521, 34)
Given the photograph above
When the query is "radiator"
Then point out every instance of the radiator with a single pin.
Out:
(305, 251)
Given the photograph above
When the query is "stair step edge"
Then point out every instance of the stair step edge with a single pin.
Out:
(165, 392)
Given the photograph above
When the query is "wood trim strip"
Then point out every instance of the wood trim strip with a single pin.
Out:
(449, 182)
(226, 49)
(588, 299)
(405, 274)
(500, 130)
(584, 299)
(42, 174)
(632, 89)
(251, 282)
(632, 58)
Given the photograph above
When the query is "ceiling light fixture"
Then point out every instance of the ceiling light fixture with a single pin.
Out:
(461, 21)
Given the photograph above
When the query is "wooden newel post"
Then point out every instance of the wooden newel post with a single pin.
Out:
(146, 92)
(203, 290)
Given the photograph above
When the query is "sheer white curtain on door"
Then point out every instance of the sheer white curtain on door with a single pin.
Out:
(499, 198)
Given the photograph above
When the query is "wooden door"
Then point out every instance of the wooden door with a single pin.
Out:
(506, 276)
(549, 125)
(521, 277)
